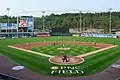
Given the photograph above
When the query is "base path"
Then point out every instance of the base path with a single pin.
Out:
(41, 54)
(29, 46)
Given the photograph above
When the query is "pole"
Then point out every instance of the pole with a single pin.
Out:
(17, 25)
(0, 29)
(8, 16)
(110, 23)
(110, 20)
(43, 19)
(8, 9)
(80, 20)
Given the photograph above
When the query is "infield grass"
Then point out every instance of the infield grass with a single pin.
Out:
(75, 50)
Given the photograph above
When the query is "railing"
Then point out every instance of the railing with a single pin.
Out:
(22, 32)
(8, 77)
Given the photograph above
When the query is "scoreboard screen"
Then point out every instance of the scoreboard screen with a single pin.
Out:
(23, 23)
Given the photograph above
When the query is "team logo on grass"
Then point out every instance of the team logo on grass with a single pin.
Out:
(115, 66)
(54, 68)
(66, 70)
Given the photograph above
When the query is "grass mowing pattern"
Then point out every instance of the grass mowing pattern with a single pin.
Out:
(93, 64)
(75, 50)
(32, 61)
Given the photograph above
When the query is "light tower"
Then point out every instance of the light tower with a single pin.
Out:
(8, 9)
(43, 12)
(110, 20)
(80, 20)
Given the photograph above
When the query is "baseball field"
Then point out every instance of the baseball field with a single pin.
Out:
(39, 63)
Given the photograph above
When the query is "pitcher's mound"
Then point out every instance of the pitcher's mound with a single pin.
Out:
(63, 48)
(72, 60)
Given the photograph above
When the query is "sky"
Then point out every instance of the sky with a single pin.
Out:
(34, 7)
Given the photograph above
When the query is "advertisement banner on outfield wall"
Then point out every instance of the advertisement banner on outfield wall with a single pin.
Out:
(98, 35)
(43, 35)
(30, 23)
(3, 26)
(76, 35)
(11, 26)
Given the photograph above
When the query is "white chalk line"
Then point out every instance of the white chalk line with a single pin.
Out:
(41, 54)
(96, 51)
(46, 55)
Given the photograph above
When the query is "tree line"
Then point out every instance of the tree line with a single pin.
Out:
(72, 20)
(88, 20)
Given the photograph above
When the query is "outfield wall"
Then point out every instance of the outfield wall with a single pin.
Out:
(60, 34)
(43, 35)
(85, 35)
(99, 35)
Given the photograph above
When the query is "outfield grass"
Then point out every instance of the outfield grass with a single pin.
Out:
(93, 64)
(75, 50)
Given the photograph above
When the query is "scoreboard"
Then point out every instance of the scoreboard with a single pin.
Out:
(26, 22)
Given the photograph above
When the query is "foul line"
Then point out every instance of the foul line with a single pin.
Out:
(46, 55)
(41, 54)
(93, 52)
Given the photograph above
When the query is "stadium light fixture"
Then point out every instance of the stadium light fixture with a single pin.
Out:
(110, 20)
(80, 20)
(8, 9)
(43, 19)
